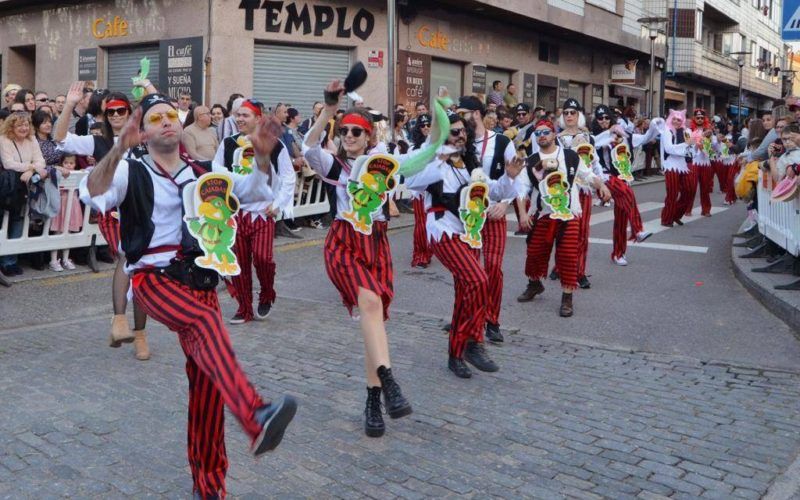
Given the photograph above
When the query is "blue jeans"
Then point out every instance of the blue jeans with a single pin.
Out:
(15, 225)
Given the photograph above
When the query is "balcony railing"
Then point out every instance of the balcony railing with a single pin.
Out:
(719, 58)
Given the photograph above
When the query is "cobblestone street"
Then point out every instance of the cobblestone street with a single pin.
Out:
(558, 420)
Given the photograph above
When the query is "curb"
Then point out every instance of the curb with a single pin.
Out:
(777, 305)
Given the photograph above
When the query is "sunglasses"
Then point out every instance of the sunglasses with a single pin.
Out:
(522, 113)
(354, 131)
(455, 132)
(425, 125)
(603, 118)
(117, 111)
(570, 112)
(157, 118)
(542, 133)
(44, 99)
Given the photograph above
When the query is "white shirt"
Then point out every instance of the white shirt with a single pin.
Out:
(568, 140)
(453, 178)
(700, 157)
(280, 188)
(78, 144)
(673, 156)
(168, 206)
(485, 154)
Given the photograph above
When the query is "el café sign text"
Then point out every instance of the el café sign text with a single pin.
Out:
(111, 28)
(296, 17)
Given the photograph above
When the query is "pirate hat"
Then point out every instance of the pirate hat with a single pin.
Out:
(572, 103)
(479, 190)
(620, 148)
(218, 186)
(555, 178)
(384, 165)
(585, 149)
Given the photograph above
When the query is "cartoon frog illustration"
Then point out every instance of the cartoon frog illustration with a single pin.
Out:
(243, 156)
(555, 194)
(621, 159)
(212, 224)
(369, 186)
(474, 202)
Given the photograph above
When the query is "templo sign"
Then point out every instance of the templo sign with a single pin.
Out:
(414, 78)
(624, 73)
(299, 17)
(181, 67)
(87, 64)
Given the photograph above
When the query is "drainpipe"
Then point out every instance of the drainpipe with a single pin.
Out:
(207, 61)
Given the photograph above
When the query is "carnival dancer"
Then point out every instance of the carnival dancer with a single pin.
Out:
(256, 221)
(574, 133)
(116, 111)
(522, 136)
(422, 253)
(550, 179)
(459, 192)
(493, 152)
(359, 264)
(703, 154)
(676, 143)
(614, 151)
(729, 167)
(171, 288)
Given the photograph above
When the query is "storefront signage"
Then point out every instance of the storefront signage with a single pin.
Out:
(624, 73)
(109, 28)
(529, 88)
(87, 64)
(413, 83)
(563, 91)
(432, 39)
(297, 17)
(181, 67)
(478, 79)
(375, 59)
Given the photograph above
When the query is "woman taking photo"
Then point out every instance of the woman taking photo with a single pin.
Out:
(359, 265)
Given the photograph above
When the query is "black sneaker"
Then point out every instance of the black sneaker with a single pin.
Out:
(282, 230)
(477, 356)
(263, 311)
(679, 222)
(274, 419)
(396, 405)
(554, 275)
(237, 319)
(493, 333)
(373, 418)
(583, 282)
(447, 327)
(458, 367)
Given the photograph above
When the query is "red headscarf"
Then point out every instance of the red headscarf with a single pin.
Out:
(706, 123)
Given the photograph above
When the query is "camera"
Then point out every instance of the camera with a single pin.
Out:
(35, 178)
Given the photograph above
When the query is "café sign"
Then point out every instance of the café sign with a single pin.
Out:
(109, 28)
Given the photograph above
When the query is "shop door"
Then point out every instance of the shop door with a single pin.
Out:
(546, 97)
(296, 75)
(448, 74)
(493, 74)
(123, 65)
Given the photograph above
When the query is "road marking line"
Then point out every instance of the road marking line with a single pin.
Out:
(657, 246)
(608, 216)
(75, 278)
(655, 227)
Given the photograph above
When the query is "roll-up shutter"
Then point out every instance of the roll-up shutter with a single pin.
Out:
(493, 74)
(123, 65)
(296, 74)
(447, 74)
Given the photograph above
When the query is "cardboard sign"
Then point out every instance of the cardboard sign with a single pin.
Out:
(371, 180)
(472, 212)
(554, 189)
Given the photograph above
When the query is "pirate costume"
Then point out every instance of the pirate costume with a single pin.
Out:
(173, 290)
(703, 163)
(255, 233)
(679, 179)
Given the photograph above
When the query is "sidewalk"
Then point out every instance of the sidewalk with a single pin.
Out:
(559, 420)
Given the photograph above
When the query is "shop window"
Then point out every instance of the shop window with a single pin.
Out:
(548, 52)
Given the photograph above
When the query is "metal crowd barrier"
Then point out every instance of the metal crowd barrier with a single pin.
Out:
(778, 220)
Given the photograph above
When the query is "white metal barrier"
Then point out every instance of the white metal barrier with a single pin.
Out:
(310, 197)
(88, 235)
(778, 220)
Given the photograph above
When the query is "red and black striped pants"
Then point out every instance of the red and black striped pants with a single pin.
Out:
(354, 260)
(705, 180)
(679, 190)
(215, 377)
(109, 228)
(494, 247)
(730, 182)
(691, 189)
(721, 171)
(254, 241)
(564, 234)
(583, 235)
(422, 248)
(625, 211)
(471, 284)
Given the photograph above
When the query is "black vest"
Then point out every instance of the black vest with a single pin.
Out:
(230, 147)
(136, 226)
(572, 161)
(498, 167)
(449, 201)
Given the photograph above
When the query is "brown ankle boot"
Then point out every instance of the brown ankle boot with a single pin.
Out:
(566, 305)
(140, 343)
(120, 331)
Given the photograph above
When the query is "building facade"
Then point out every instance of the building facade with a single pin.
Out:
(285, 51)
(701, 69)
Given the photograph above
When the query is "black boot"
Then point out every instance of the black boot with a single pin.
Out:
(583, 282)
(274, 418)
(458, 367)
(396, 405)
(493, 333)
(476, 355)
(373, 418)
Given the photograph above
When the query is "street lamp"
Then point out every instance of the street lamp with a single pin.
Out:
(740, 62)
(652, 24)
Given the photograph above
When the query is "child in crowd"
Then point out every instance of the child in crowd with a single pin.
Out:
(58, 223)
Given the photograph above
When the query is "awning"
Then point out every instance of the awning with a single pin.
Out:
(674, 95)
(620, 90)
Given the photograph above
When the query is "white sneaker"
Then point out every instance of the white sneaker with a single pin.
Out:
(56, 266)
(643, 235)
(67, 264)
(620, 261)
